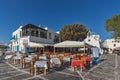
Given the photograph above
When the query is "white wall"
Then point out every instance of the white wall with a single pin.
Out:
(111, 42)
(53, 33)
(17, 32)
(94, 40)
(23, 42)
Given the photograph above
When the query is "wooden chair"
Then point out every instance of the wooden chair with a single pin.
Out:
(61, 59)
(26, 62)
(40, 66)
(32, 69)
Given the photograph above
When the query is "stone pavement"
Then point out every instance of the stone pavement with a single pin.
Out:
(108, 69)
(10, 71)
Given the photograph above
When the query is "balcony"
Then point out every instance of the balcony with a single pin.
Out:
(13, 38)
(40, 40)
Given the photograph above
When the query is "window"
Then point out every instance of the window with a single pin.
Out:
(43, 34)
(27, 32)
(37, 33)
(32, 33)
(23, 32)
(50, 37)
(16, 36)
(56, 39)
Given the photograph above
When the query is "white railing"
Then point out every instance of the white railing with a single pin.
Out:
(40, 40)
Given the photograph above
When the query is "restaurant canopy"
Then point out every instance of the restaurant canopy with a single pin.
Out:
(38, 45)
(70, 44)
(34, 45)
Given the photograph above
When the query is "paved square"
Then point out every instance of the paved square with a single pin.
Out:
(108, 69)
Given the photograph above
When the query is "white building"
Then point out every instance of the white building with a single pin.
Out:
(111, 44)
(30, 36)
(93, 39)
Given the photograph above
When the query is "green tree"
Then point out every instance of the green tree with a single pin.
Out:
(75, 32)
(113, 24)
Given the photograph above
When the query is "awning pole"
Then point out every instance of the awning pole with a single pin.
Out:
(70, 49)
(43, 50)
(54, 50)
(84, 47)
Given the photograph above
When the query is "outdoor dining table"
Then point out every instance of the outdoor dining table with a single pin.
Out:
(17, 58)
(26, 60)
(8, 57)
(89, 59)
(41, 64)
(66, 59)
(76, 62)
(32, 56)
(55, 61)
(53, 56)
(42, 57)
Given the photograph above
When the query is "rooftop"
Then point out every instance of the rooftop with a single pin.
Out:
(32, 26)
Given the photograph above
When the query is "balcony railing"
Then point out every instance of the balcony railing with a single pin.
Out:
(13, 38)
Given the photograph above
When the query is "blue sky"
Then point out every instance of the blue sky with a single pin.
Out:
(55, 14)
